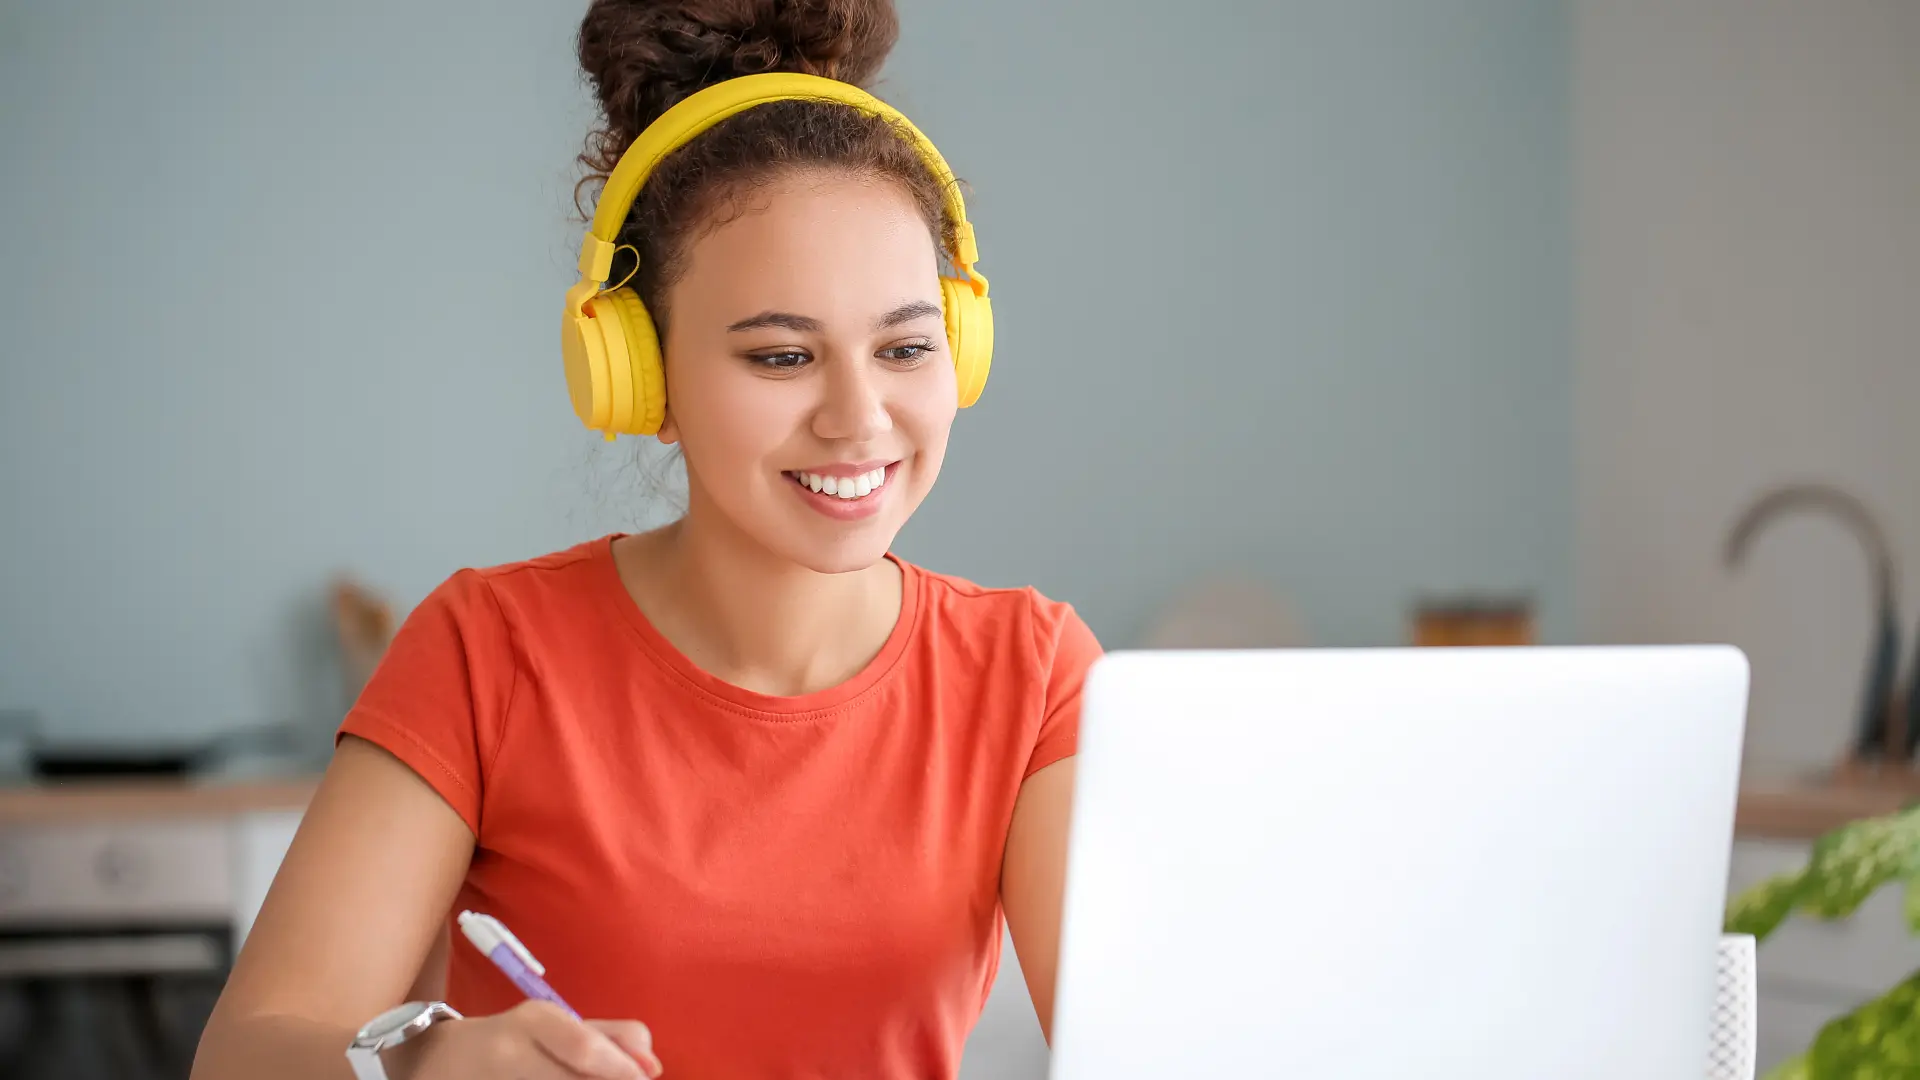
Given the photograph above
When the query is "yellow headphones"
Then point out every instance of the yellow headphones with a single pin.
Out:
(614, 369)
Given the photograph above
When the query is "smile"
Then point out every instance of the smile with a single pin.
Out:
(857, 486)
(846, 492)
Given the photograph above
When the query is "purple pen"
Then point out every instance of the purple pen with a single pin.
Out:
(499, 945)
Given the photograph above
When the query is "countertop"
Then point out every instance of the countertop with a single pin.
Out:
(147, 799)
(1781, 810)
(1788, 810)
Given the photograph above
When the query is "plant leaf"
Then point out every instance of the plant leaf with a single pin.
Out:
(1880, 1040)
(1852, 862)
(1762, 908)
(1877, 1041)
(1794, 1068)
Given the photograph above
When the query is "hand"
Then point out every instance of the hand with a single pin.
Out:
(534, 1040)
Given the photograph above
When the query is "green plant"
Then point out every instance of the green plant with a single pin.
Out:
(1880, 1040)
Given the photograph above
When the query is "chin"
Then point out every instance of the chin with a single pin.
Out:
(848, 554)
(829, 543)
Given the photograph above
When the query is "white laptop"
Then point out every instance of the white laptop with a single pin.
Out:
(1450, 864)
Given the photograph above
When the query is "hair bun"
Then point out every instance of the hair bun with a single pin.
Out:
(644, 56)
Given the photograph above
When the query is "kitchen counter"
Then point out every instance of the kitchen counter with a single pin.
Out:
(149, 799)
(1806, 811)
(1779, 810)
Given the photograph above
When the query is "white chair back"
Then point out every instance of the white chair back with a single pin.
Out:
(1731, 1049)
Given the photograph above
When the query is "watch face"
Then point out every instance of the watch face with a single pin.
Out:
(393, 1020)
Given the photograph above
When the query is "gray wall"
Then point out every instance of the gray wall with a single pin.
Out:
(1751, 302)
(1282, 286)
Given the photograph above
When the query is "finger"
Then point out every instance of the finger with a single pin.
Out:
(633, 1037)
(577, 1047)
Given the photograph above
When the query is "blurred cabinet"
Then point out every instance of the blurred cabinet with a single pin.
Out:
(257, 843)
(120, 911)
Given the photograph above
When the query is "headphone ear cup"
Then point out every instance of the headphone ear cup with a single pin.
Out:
(639, 378)
(970, 336)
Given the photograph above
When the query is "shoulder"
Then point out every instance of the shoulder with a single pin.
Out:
(445, 684)
(1018, 645)
(543, 586)
(484, 620)
(1021, 616)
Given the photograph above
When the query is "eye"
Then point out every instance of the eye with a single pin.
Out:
(780, 361)
(908, 355)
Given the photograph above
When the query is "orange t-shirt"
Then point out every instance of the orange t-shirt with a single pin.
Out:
(780, 887)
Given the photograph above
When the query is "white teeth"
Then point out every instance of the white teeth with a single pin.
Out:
(844, 487)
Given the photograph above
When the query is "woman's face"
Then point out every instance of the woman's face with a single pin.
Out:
(808, 376)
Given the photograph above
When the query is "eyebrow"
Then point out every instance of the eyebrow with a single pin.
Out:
(802, 324)
(784, 320)
(906, 313)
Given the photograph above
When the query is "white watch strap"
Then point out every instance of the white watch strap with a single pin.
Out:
(366, 1063)
(363, 1054)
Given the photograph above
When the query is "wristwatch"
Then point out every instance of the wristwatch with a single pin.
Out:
(390, 1029)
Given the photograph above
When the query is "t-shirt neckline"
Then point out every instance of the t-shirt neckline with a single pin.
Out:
(801, 707)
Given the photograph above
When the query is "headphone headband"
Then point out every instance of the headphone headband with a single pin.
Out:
(701, 110)
(616, 372)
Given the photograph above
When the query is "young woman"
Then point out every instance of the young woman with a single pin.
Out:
(749, 786)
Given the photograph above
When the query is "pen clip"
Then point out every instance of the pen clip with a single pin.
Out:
(499, 930)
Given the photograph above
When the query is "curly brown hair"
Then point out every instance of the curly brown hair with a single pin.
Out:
(644, 56)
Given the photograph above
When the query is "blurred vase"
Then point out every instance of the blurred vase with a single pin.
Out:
(1473, 620)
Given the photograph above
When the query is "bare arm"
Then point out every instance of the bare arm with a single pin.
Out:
(354, 914)
(1033, 880)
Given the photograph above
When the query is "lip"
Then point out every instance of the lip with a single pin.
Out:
(849, 468)
(837, 508)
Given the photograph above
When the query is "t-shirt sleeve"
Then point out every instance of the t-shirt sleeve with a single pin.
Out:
(1068, 648)
(439, 696)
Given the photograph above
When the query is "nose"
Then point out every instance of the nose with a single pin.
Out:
(853, 405)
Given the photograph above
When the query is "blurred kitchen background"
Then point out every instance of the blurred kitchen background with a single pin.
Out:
(1351, 322)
